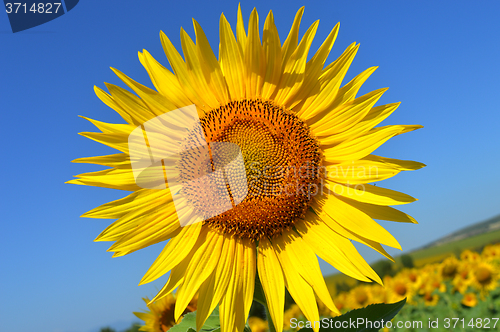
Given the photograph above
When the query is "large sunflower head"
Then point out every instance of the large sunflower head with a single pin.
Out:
(264, 146)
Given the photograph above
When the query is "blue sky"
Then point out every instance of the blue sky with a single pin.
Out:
(439, 58)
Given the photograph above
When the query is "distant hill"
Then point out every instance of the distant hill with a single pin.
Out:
(486, 226)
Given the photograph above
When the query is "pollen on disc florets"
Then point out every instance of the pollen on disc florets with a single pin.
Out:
(282, 164)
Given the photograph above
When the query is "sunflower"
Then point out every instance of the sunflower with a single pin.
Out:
(470, 256)
(432, 282)
(469, 300)
(485, 277)
(290, 313)
(360, 296)
(291, 183)
(160, 316)
(463, 276)
(342, 301)
(449, 267)
(491, 252)
(257, 324)
(430, 299)
(412, 278)
(398, 288)
(462, 281)
(379, 293)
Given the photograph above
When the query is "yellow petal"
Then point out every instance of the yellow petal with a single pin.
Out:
(348, 92)
(181, 72)
(335, 249)
(373, 118)
(292, 40)
(110, 128)
(210, 65)
(255, 66)
(135, 213)
(114, 178)
(154, 228)
(153, 100)
(272, 52)
(330, 81)
(112, 160)
(295, 67)
(361, 171)
(202, 265)
(241, 35)
(176, 277)
(130, 103)
(165, 81)
(314, 67)
(355, 220)
(214, 288)
(235, 304)
(231, 61)
(110, 102)
(195, 72)
(306, 263)
(115, 141)
(273, 282)
(347, 115)
(328, 245)
(340, 229)
(382, 212)
(368, 193)
(173, 253)
(362, 146)
(122, 206)
(316, 64)
(404, 165)
(299, 289)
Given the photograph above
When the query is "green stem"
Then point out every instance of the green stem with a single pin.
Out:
(260, 297)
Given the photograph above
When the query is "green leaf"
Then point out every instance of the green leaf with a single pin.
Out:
(188, 323)
(374, 313)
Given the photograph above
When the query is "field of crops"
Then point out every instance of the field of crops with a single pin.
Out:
(452, 287)
(458, 294)
(426, 256)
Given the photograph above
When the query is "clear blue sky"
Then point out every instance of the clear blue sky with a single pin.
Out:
(439, 58)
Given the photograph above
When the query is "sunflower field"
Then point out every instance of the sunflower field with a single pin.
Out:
(458, 294)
